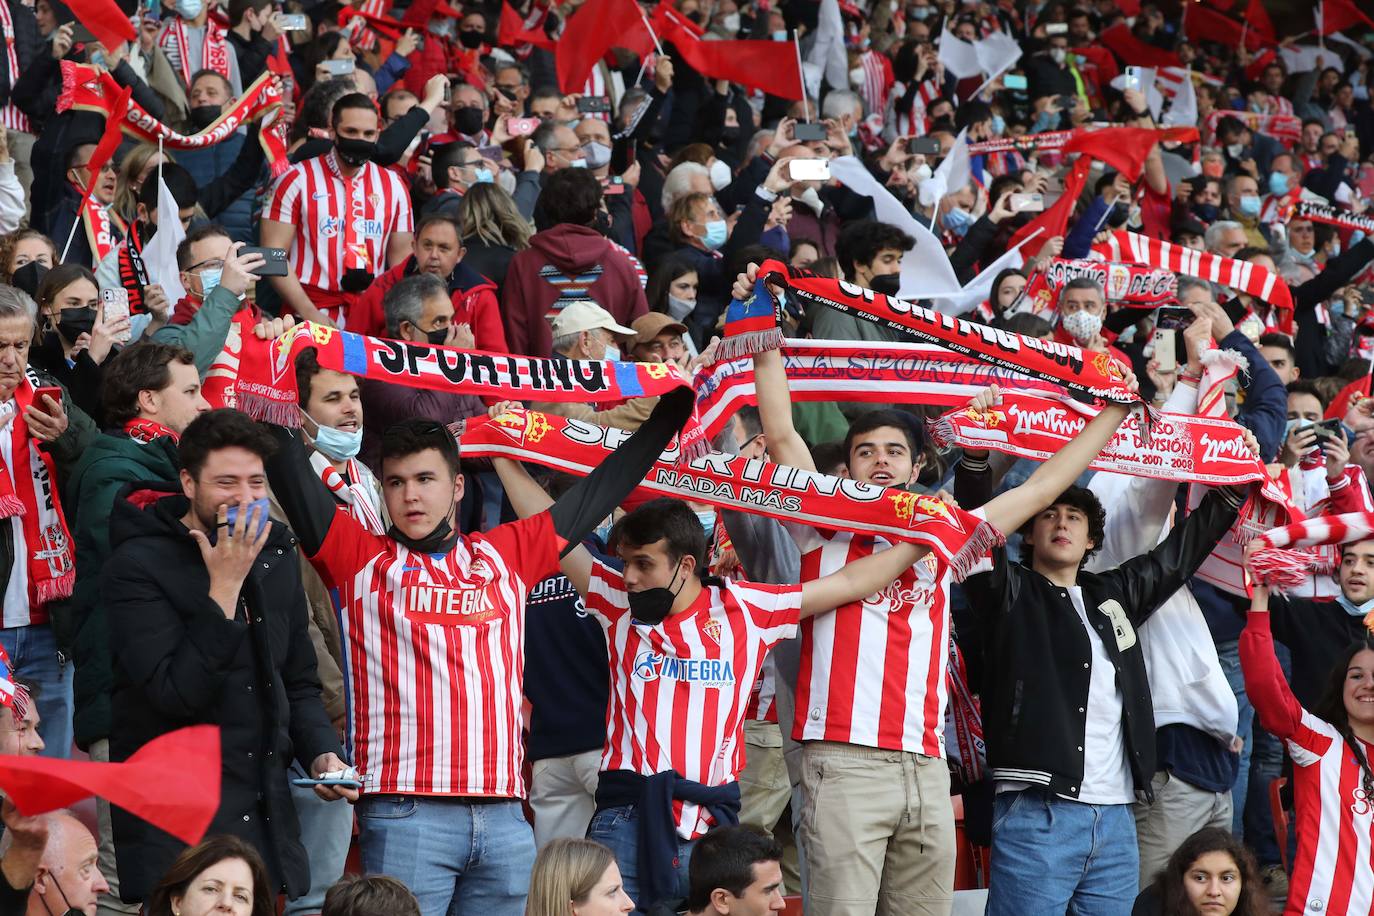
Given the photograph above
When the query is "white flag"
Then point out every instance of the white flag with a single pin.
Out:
(828, 51)
(1183, 111)
(160, 253)
(959, 57)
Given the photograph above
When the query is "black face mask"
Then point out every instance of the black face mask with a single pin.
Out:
(468, 121)
(472, 40)
(355, 280)
(440, 540)
(438, 336)
(202, 116)
(652, 605)
(355, 152)
(1117, 216)
(1205, 212)
(29, 277)
(887, 284)
(72, 323)
(602, 223)
(729, 134)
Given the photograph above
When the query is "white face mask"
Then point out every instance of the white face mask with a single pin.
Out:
(856, 77)
(1058, 55)
(721, 176)
(1082, 325)
(730, 23)
(922, 172)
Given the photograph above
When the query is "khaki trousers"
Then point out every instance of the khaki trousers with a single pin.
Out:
(563, 795)
(877, 832)
(21, 151)
(1178, 811)
(764, 787)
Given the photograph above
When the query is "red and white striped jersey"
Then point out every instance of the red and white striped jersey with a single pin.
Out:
(873, 672)
(314, 197)
(11, 118)
(679, 689)
(877, 81)
(1334, 869)
(434, 654)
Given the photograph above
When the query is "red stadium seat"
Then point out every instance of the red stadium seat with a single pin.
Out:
(794, 906)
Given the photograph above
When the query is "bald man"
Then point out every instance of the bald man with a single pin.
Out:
(67, 877)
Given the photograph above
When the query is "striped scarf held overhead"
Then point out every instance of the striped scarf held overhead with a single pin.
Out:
(1277, 564)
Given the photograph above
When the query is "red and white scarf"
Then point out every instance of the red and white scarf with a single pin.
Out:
(99, 223)
(10, 115)
(1286, 568)
(1136, 285)
(144, 431)
(214, 51)
(1334, 216)
(356, 491)
(28, 489)
(1241, 276)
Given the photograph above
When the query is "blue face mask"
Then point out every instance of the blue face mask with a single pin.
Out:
(483, 176)
(1356, 610)
(708, 522)
(1336, 307)
(189, 9)
(957, 221)
(1250, 205)
(919, 13)
(209, 279)
(999, 125)
(336, 444)
(612, 353)
(716, 234)
(780, 35)
(603, 530)
(1278, 183)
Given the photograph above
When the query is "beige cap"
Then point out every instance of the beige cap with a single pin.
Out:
(584, 315)
(647, 327)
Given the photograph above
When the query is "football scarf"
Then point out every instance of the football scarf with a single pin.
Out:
(100, 225)
(1334, 216)
(265, 386)
(1241, 276)
(1085, 371)
(145, 431)
(1277, 564)
(26, 490)
(87, 89)
(214, 50)
(744, 484)
(1030, 143)
(1134, 285)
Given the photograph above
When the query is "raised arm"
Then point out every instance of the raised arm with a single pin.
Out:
(1278, 710)
(858, 579)
(785, 444)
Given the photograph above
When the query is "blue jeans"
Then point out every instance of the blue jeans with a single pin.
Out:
(326, 831)
(34, 656)
(1052, 856)
(618, 830)
(1228, 653)
(459, 859)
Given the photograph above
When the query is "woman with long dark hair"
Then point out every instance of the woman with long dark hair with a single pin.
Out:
(1333, 782)
(1210, 874)
(221, 874)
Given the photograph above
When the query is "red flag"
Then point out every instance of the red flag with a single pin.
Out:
(1134, 52)
(1256, 68)
(388, 27)
(513, 32)
(1335, 15)
(1102, 59)
(770, 66)
(592, 31)
(172, 782)
(420, 12)
(1204, 24)
(1348, 396)
(107, 22)
(1055, 220)
(279, 63)
(109, 142)
(1258, 18)
(1125, 148)
(1129, 8)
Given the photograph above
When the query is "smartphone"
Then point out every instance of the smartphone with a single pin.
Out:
(1067, 102)
(522, 127)
(1135, 79)
(1026, 203)
(338, 67)
(422, 148)
(1166, 349)
(114, 305)
(1056, 28)
(343, 783)
(1171, 318)
(82, 35)
(809, 170)
(494, 153)
(274, 258)
(614, 185)
(924, 146)
(805, 133)
(294, 22)
(1328, 429)
(1015, 81)
(231, 515)
(594, 104)
(51, 391)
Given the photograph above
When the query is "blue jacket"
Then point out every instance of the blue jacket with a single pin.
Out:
(207, 166)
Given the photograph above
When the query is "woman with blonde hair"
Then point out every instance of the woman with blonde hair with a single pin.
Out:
(137, 165)
(493, 230)
(575, 877)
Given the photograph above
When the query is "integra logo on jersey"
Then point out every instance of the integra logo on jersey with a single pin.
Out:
(708, 672)
(446, 607)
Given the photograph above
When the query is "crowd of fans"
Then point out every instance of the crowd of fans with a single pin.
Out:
(660, 705)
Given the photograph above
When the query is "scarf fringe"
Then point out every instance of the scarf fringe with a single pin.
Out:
(56, 589)
(979, 544)
(941, 432)
(10, 506)
(269, 410)
(738, 346)
(1224, 361)
(1280, 568)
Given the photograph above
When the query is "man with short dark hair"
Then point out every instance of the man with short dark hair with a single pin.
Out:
(567, 262)
(735, 871)
(1277, 350)
(342, 218)
(870, 255)
(208, 624)
(373, 895)
(425, 612)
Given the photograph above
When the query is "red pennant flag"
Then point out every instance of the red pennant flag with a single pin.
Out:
(1055, 219)
(109, 142)
(388, 27)
(1134, 52)
(770, 66)
(172, 782)
(1204, 24)
(1258, 18)
(1256, 68)
(1335, 15)
(1125, 148)
(513, 31)
(107, 22)
(593, 30)
(1348, 396)
(279, 63)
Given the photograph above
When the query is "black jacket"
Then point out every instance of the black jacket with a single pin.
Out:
(178, 661)
(1038, 662)
(28, 44)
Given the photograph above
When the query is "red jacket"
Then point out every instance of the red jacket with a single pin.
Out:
(474, 303)
(590, 268)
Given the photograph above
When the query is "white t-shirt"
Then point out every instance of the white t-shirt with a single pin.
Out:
(1106, 777)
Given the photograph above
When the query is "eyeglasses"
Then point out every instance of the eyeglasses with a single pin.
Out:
(211, 264)
(109, 166)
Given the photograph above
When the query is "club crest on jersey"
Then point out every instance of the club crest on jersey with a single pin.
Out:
(712, 629)
(706, 672)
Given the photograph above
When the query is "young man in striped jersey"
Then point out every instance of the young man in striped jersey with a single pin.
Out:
(684, 654)
(432, 631)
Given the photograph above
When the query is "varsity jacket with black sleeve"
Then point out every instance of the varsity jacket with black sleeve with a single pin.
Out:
(1038, 662)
